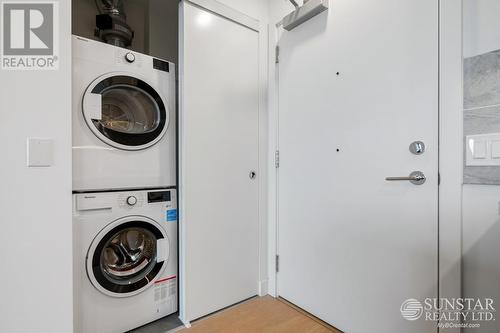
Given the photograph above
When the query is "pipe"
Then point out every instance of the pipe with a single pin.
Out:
(111, 23)
(112, 7)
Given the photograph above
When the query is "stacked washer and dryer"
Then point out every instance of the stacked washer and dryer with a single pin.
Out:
(124, 184)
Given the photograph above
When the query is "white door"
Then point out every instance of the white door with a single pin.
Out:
(219, 152)
(358, 85)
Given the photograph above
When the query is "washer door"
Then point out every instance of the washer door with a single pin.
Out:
(125, 112)
(127, 256)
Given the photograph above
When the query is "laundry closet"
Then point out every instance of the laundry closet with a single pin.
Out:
(166, 162)
(180, 157)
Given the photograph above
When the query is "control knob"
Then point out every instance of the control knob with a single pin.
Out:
(131, 201)
(130, 57)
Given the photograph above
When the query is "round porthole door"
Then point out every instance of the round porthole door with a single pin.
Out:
(125, 112)
(127, 256)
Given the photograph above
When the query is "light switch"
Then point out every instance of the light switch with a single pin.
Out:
(40, 152)
(482, 149)
(495, 149)
(479, 151)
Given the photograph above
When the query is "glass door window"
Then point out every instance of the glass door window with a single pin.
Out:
(132, 113)
(124, 260)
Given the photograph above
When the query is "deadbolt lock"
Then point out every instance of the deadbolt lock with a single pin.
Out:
(417, 147)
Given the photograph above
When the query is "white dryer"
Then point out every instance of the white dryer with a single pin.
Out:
(125, 259)
(124, 127)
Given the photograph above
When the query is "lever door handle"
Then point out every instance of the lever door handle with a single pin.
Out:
(416, 178)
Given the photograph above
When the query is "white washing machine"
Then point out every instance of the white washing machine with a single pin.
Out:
(125, 259)
(124, 127)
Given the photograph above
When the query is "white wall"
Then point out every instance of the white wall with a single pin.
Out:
(35, 203)
(480, 244)
(481, 231)
(482, 26)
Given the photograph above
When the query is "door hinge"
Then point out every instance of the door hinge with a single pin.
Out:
(277, 159)
(439, 179)
(277, 54)
(277, 263)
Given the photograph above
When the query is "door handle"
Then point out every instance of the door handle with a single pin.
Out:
(416, 178)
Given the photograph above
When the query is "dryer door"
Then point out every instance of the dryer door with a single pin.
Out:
(125, 112)
(127, 256)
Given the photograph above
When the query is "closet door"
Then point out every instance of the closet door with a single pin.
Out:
(219, 161)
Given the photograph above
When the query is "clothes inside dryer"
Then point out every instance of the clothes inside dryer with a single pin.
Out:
(129, 109)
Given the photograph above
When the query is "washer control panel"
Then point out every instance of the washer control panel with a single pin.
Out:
(128, 200)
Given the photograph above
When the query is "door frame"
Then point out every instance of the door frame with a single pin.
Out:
(262, 29)
(450, 152)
